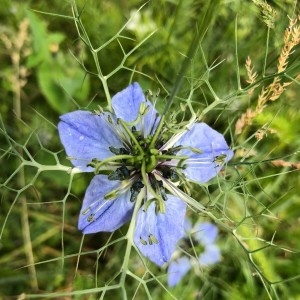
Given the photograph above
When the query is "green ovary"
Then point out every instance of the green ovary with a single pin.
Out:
(151, 163)
(150, 157)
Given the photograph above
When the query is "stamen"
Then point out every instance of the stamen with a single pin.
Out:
(157, 185)
(173, 150)
(111, 195)
(136, 133)
(152, 239)
(147, 204)
(160, 207)
(143, 241)
(153, 125)
(195, 150)
(220, 159)
(91, 218)
(153, 98)
(157, 132)
(115, 128)
(163, 192)
(109, 118)
(131, 135)
(194, 163)
(97, 164)
(118, 151)
(149, 188)
(121, 173)
(135, 190)
(93, 163)
(172, 141)
(143, 110)
(86, 211)
(98, 111)
(180, 194)
(169, 173)
(170, 157)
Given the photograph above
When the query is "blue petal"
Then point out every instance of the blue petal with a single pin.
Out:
(86, 136)
(203, 166)
(187, 226)
(108, 215)
(126, 105)
(210, 256)
(177, 269)
(166, 227)
(205, 233)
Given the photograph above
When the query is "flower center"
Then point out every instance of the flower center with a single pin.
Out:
(135, 162)
(142, 152)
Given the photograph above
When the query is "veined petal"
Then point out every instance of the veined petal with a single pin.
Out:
(86, 136)
(205, 233)
(213, 152)
(126, 105)
(210, 256)
(177, 269)
(98, 214)
(167, 228)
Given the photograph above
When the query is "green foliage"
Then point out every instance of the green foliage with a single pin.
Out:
(59, 76)
(77, 55)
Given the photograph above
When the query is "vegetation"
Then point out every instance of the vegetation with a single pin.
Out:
(232, 64)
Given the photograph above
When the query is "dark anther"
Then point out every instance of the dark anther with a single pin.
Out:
(135, 190)
(118, 151)
(172, 151)
(163, 193)
(137, 134)
(121, 173)
(169, 173)
(158, 186)
(93, 163)
(219, 159)
(159, 144)
(123, 151)
(91, 218)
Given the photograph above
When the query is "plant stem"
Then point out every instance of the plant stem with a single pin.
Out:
(21, 174)
(130, 243)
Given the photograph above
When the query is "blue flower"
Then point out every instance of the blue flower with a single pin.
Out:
(139, 162)
(204, 234)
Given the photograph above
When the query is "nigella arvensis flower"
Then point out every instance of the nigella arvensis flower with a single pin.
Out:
(137, 163)
(202, 233)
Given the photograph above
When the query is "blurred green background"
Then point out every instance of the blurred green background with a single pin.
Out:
(46, 70)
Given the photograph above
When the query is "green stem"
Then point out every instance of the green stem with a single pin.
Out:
(85, 38)
(130, 242)
(238, 77)
(57, 167)
(151, 190)
(267, 51)
(202, 27)
(178, 9)
(131, 135)
(157, 132)
(21, 175)
(113, 158)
